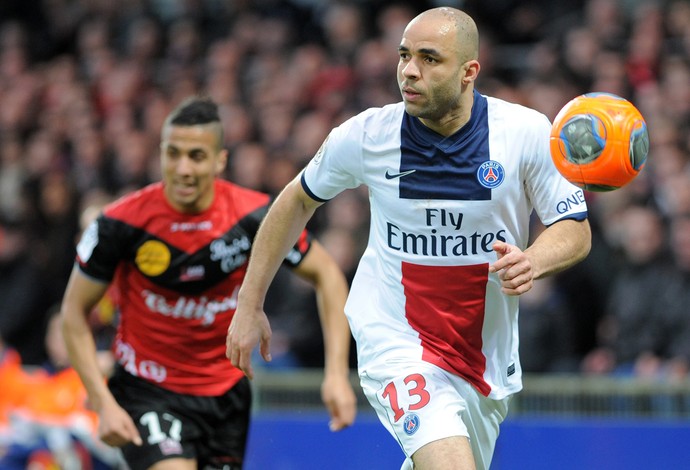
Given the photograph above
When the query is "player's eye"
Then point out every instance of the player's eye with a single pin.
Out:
(197, 155)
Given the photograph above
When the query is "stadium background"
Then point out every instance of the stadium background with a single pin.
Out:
(85, 84)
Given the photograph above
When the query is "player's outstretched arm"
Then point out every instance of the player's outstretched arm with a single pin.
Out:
(331, 293)
(558, 247)
(115, 426)
(279, 231)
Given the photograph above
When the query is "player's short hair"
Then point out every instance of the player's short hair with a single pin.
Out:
(194, 111)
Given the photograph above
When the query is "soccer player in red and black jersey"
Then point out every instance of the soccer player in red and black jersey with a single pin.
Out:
(177, 251)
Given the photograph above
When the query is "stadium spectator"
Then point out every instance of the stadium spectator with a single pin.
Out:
(636, 329)
(55, 224)
(547, 331)
(23, 318)
(248, 165)
(676, 300)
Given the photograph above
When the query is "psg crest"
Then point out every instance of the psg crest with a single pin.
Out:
(490, 174)
(411, 424)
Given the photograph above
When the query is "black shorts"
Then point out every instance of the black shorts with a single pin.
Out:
(212, 430)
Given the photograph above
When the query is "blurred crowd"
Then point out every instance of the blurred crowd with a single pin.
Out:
(86, 84)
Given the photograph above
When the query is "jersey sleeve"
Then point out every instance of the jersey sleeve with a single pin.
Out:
(337, 165)
(99, 249)
(554, 198)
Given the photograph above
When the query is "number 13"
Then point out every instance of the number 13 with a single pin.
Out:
(418, 390)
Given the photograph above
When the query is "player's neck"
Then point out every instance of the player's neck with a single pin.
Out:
(455, 118)
(450, 123)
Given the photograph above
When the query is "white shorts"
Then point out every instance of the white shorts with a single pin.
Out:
(419, 403)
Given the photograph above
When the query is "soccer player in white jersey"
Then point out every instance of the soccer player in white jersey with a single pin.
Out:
(453, 177)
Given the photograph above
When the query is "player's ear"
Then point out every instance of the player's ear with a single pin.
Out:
(221, 161)
(471, 69)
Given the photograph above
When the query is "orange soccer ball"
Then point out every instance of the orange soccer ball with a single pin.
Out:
(599, 141)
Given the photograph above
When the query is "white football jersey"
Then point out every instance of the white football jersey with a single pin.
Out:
(423, 288)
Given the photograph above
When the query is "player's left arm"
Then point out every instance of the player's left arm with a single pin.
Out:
(331, 287)
(560, 246)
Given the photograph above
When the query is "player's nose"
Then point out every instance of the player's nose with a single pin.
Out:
(184, 166)
(410, 70)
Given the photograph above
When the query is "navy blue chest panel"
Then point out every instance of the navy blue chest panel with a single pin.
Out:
(445, 167)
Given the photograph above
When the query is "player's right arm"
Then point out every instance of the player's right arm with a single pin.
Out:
(115, 428)
(280, 229)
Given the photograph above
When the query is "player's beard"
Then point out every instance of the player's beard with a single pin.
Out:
(435, 106)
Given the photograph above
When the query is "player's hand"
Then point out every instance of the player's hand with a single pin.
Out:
(248, 328)
(514, 269)
(115, 426)
(340, 400)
